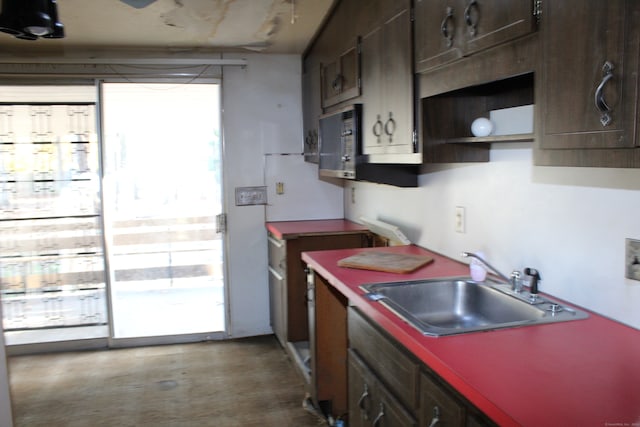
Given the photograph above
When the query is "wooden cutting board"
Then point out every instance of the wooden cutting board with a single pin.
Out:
(385, 261)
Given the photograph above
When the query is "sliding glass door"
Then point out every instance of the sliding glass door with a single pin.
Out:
(162, 193)
(52, 281)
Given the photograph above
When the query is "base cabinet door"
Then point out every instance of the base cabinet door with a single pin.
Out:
(361, 384)
(437, 407)
(287, 278)
(387, 387)
(370, 403)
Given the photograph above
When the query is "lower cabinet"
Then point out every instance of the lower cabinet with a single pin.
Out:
(370, 403)
(437, 406)
(388, 386)
(287, 278)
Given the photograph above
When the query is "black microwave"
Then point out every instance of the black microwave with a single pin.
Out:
(339, 134)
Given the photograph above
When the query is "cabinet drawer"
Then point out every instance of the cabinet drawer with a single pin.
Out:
(278, 254)
(369, 401)
(435, 402)
(398, 371)
(276, 305)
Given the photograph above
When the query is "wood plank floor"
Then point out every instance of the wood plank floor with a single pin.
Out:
(244, 382)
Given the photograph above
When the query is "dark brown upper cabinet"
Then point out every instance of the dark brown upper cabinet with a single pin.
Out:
(446, 30)
(588, 88)
(387, 88)
(340, 76)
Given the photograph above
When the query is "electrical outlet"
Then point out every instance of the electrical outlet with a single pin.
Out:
(460, 219)
(632, 259)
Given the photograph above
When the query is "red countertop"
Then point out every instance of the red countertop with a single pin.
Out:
(576, 373)
(293, 229)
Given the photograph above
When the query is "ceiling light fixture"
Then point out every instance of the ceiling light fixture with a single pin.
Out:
(138, 4)
(30, 20)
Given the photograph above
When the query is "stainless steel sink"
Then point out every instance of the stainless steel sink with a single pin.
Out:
(460, 305)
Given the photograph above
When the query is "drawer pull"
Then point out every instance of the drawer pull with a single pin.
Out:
(380, 416)
(275, 273)
(436, 417)
(361, 403)
(276, 242)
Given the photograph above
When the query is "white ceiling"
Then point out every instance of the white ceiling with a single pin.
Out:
(101, 27)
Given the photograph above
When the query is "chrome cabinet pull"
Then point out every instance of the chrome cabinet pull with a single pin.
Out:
(337, 83)
(380, 416)
(275, 242)
(467, 17)
(390, 127)
(275, 273)
(601, 104)
(444, 27)
(361, 404)
(378, 127)
(436, 417)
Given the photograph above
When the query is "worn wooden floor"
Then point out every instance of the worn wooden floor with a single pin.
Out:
(245, 382)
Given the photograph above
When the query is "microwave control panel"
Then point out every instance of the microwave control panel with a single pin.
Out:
(348, 136)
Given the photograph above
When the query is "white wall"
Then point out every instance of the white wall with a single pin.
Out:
(570, 223)
(262, 115)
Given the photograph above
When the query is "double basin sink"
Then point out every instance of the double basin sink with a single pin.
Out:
(460, 305)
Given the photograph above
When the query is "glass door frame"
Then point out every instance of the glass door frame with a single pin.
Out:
(112, 341)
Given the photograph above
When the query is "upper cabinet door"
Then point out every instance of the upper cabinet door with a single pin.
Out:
(387, 86)
(588, 85)
(341, 77)
(446, 30)
(438, 33)
(487, 23)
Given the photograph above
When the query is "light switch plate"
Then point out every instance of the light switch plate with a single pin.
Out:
(632, 259)
(246, 196)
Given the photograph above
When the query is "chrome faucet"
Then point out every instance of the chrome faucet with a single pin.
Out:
(514, 280)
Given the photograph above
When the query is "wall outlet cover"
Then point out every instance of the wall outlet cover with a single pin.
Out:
(460, 220)
(632, 259)
(246, 196)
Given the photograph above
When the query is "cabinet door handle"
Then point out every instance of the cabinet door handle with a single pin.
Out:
(444, 27)
(601, 104)
(361, 402)
(436, 417)
(275, 273)
(390, 127)
(337, 83)
(469, 20)
(277, 243)
(380, 416)
(377, 128)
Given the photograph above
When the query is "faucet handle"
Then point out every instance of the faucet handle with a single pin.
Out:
(516, 283)
(535, 277)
